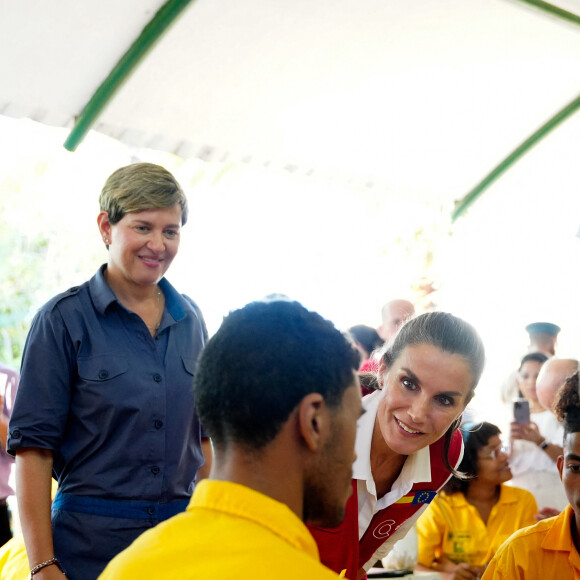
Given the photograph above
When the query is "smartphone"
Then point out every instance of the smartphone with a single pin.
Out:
(382, 573)
(521, 411)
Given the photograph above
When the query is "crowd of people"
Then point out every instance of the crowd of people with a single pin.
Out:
(280, 447)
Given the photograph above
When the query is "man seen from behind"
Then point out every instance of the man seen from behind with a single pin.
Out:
(277, 393)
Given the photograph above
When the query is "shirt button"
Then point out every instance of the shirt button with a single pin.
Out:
(157, 377)
(150, 510)
(103, 374)
(158, 424)
(16, 434)
(155, 470)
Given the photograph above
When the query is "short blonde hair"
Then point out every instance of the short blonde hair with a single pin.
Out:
(139, 187)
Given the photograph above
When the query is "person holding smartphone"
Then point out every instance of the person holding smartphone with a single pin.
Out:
(550, 548)
(535, 442)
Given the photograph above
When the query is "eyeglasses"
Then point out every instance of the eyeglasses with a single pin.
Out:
(495, 453)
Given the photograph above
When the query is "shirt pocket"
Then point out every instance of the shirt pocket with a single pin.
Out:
(189, 364)
(102, 368)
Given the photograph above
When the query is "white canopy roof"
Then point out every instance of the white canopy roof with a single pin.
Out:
(423, 96)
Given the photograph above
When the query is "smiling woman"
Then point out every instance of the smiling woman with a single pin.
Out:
(106, 399)
(407, 441)
(464, 526)
(141, 248)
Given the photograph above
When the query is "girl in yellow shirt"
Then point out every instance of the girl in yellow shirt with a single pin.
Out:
(465, 524)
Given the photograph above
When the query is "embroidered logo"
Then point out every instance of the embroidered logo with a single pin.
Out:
(383, 530)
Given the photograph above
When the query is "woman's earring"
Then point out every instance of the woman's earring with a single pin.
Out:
(457, 423)
(106, 240)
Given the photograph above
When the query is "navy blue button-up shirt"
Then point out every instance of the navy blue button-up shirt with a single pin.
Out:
(114, 404)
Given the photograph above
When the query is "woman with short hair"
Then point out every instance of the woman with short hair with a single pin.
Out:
(106, 401)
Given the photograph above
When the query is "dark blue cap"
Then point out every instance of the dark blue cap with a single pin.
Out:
(543, 327)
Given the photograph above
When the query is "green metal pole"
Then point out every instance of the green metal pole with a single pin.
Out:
(164, 17)
(462, 205)
(554, 10)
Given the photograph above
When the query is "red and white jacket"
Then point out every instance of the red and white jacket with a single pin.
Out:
(371, 526)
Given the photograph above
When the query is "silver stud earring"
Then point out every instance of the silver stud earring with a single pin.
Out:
(106, 241)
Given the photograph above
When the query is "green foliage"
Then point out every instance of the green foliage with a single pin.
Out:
(19, 283)
(39, 258)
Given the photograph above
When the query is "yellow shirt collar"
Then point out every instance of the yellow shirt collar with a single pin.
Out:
(244, 502)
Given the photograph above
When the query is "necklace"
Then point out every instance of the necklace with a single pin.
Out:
(154, 329)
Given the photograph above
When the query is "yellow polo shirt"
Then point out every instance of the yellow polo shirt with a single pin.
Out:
(539, 552)
(228, 532)
(13, 560)
(452, 527)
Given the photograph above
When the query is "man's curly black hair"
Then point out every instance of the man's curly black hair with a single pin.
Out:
(567, 405)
